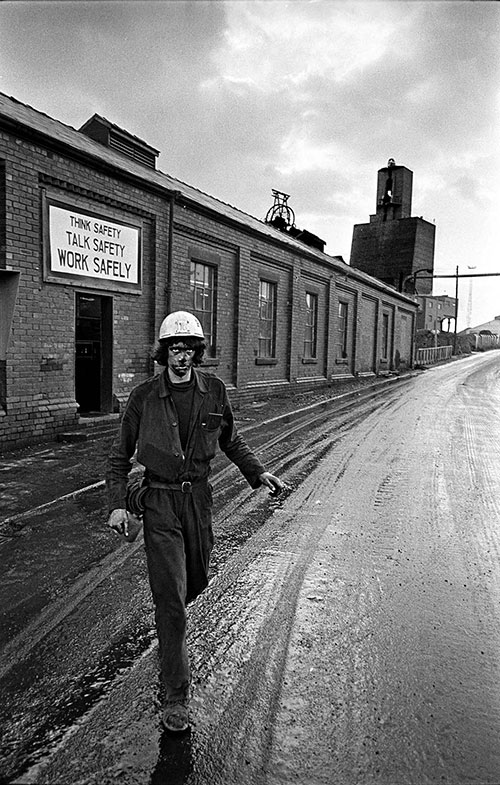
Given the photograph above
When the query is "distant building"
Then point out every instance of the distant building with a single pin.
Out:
(484, 336)
(436, 312)
(492, 327)
(394, 247)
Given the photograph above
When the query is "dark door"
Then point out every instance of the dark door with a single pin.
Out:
(92, 353)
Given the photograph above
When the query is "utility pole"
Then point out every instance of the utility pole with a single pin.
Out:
(469, 301)
(456, 312)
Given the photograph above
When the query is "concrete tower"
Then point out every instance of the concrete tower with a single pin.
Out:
(394, 246)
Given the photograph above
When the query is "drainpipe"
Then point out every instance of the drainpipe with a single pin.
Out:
(170, 252)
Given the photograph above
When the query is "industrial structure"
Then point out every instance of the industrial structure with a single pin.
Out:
(394, 246)
(399, 249)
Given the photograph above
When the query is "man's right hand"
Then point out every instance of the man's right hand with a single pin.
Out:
(118, 521)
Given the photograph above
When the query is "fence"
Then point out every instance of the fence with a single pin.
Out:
(433, 354)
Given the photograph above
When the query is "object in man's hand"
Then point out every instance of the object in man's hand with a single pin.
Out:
(281, 493)
(134, 527)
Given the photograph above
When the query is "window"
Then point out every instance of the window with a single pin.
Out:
(267, 319)
(202, 283)
(342, 328)
(311, 328)
(385, 336)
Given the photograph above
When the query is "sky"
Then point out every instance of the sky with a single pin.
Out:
(309, 97)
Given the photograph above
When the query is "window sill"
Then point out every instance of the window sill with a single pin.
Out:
(266, 361)
(207, 361)
(343, 361)
(309, 361)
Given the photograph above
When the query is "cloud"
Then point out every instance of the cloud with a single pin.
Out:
(274, 46)
(468, 188)
(298, 153)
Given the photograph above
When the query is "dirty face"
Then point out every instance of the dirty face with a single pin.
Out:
(180, 361)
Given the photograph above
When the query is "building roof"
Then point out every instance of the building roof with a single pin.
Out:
(29, 121)
(441, 297)
(493, 326)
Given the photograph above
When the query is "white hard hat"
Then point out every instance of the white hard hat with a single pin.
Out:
(180, 324)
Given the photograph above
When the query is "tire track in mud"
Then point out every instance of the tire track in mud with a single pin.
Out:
(475, 452)
(357, 589)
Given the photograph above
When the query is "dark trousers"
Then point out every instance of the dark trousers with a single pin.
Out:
(178, 538)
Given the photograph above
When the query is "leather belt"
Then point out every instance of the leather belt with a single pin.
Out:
(182, 487)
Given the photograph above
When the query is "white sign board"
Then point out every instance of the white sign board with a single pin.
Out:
(84, 245)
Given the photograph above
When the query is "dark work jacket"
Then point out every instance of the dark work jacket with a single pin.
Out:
(150, 424)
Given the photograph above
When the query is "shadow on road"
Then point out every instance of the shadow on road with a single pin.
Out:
(175, 761)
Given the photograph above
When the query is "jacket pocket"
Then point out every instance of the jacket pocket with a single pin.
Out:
(211, 421)
(208, 432)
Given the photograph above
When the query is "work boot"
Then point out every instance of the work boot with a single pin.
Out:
(175, 716)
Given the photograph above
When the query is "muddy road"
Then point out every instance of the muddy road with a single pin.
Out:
(350, 633)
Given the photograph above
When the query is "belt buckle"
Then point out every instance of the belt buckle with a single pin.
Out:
(186, 487)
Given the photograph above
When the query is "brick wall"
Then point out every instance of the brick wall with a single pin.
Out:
(39, 372)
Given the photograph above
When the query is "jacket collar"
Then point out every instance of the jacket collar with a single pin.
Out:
(200, 381)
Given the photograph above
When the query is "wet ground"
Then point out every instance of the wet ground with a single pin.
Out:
(350, 633)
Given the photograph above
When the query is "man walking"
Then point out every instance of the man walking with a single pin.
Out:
(176, 420)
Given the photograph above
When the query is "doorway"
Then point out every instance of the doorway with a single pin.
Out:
(93, 353)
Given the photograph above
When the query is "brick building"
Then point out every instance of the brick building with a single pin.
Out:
(395, 246)
(436, 312)
(96, 246)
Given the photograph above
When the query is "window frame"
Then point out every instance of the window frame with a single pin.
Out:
(343, 331)
(385, 336)
(310, 347)
(210, 286)
(266, 346)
